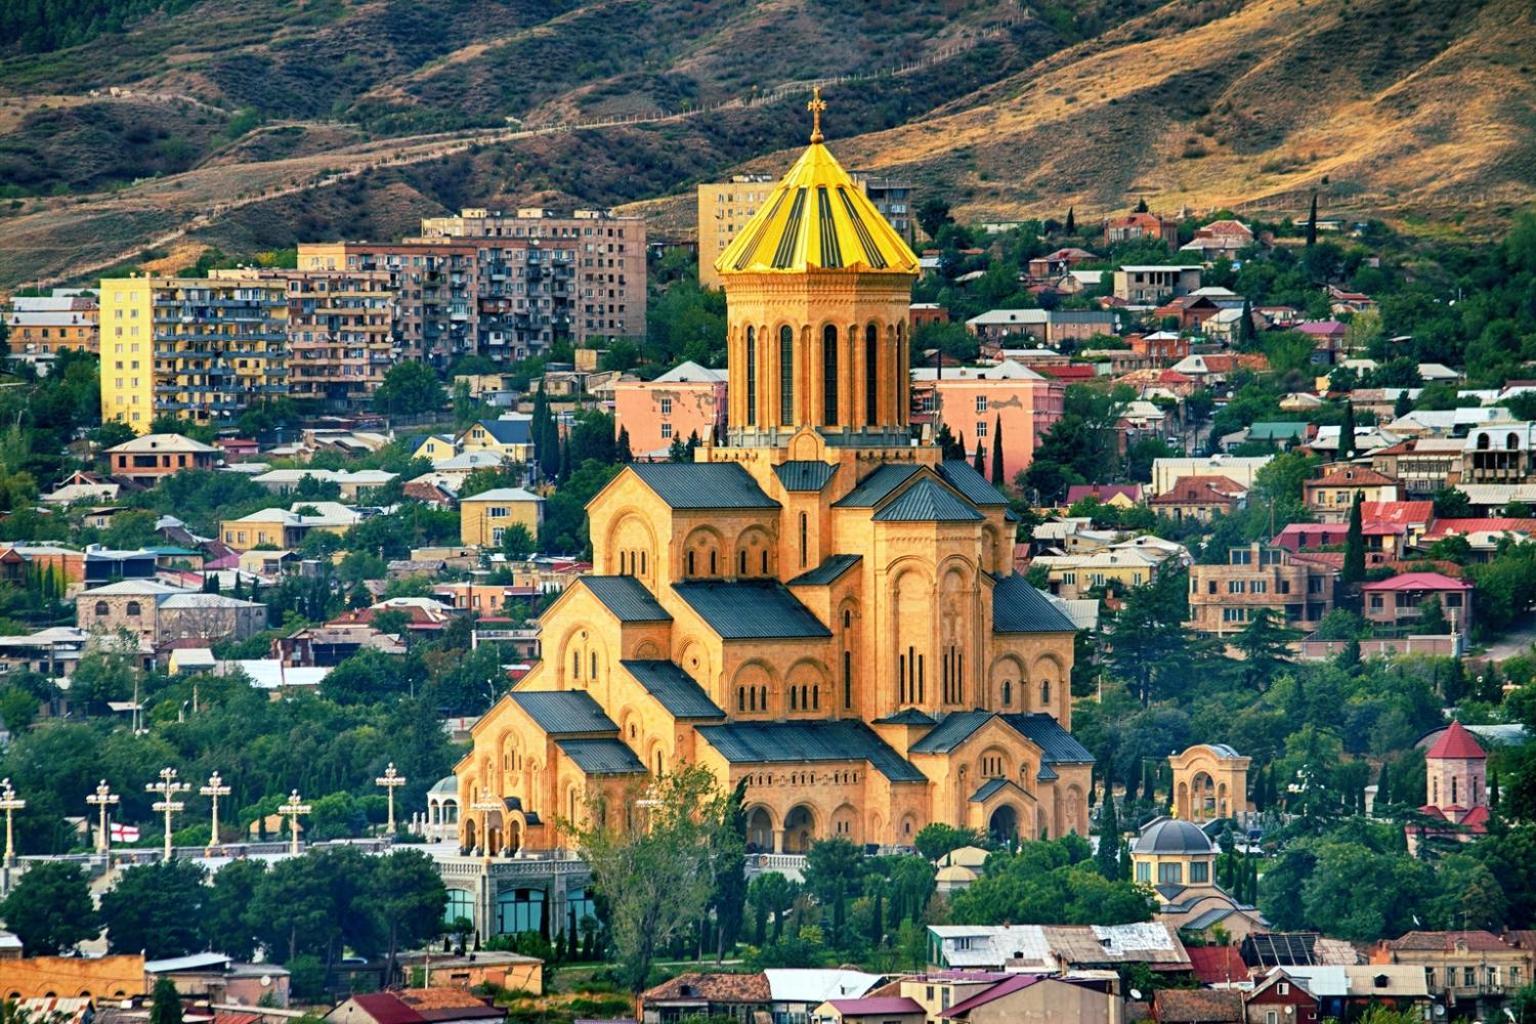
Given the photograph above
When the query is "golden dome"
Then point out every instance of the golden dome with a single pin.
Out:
(817, 218)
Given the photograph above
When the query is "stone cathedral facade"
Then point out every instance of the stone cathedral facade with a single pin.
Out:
(821, 606)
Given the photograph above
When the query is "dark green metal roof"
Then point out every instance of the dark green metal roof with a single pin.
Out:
(750, 610)
(1018, 607)
(874, 489)
(928, 501)
(962, 476)
(1058, 745)
(602, 757)
(702, 484)
(826, 572)
(563, 712)
(808, 742)
(626, 597)
(954, 730)
(674, 688)
(1046, 773)
(907, 716)
(804, 474)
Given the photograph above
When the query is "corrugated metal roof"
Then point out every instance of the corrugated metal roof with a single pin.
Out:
(874, 488)
(626, 597)
(602, 757)
(1018, 607)
(702, 484)
(750, 609)
(928, 501)
(826, 572)
(951, 732)
(1055, 743)
(674, 688)
(810, 742)
(987, 789)
(804, 474)
(563, 712)
(1046, 773)
(907, 716)
(962, 476)
(517, 431)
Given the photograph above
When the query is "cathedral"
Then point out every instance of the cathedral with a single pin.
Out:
(820, 606)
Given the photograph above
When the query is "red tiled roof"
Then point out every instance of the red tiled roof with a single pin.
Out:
(1201, 490)
(1352, 476)
(1399, 513)
(1072, 371)
(1457, 743)
(1446, 527)
(1322, 328)
(1329, 559)
(386, 1008)
(1197, 1005)
(1217, 965)
(1102, 492)
(714, 988)
(1477, 941)
(1418, 581)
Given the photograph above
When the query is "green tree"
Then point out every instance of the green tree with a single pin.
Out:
(50, 910)
(1451, 503)
(1266, 650)
(166, 1003)
(832, 872)
(1354, 545)
(728, 901)
(1347, 432)
(157, 908)
(933, 214)
(1110, 840)
(516, 542)
(1050, 882)
(409, 389)
(407, 896)
(999, 478)
(771, 895)
(226, 906)
(937, 839)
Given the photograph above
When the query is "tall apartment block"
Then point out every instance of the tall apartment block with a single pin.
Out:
(196, 348)
(725, 207)
(340, 332)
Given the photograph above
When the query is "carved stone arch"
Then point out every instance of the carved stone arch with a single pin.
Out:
(809, 680)
(629, 537)
(570, 658)
(752, 544)
(704, 552)
(646, 650)
(845, 822)
(630, 722)
(803, 825)
(761, 825)
(1007, 684)
(876, 831)
(754, 689)
(693, 659)
(1074, 812)
(1049, 680)
(994, 762)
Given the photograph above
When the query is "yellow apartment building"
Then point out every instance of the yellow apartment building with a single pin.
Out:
(195, 348)
(485, 516)
(724, 209)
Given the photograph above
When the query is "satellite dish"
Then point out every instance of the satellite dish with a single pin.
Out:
(1439, 1010)
(1135, 993)
(1290, 1010)
(266, 980)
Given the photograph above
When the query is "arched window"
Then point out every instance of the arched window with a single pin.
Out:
(690, 563)
(803, 546)
(713, 560)
(741, 563)
(898, 376)
(593, 673)
(786, 375)
(576, 664)
(101, 608)
(871, 372)
(1007, 693)
(133, 608)
(1045, 694)
(1512, 442)
(829, 374)
(642, 563)
(751, 377)
(741, 698)
(847, 680)
(1482, 442)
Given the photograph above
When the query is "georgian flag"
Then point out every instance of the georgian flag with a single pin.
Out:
(124, 833)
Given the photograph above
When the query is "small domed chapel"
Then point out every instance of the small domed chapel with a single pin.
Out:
(820, 606)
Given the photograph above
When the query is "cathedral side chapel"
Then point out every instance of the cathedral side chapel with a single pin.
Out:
(821, 606)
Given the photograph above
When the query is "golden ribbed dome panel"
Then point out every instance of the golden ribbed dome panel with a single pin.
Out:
(817, 218)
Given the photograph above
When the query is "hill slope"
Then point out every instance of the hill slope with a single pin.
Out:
(258, 122)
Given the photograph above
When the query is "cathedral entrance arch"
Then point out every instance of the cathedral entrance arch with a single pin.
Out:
(1003, 826)
(799, 829)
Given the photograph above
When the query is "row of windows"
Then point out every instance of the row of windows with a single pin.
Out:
(1172, 873)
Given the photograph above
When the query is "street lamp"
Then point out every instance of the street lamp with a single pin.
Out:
(391, 780)
(168, 788)
(101, 800)
(293, 808)
(10, 803)
(214, 789)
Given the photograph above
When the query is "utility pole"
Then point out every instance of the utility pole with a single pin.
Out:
(391, 780)
(215, 789)
(168, 789)
(101, 800)
(293, 808)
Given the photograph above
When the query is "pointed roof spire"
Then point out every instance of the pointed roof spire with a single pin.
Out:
(816, 106)
(1457, 744)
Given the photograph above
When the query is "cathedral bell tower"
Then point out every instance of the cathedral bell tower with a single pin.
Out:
(818, 288)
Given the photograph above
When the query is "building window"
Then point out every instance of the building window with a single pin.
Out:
(1143, 871)
(829, 379)
(1170, 874)
(666, 407)
(981, 429)
(1199, 871)
(981, 403)
(871, 373)
(666, 430)
(751, 377)
(786, 375)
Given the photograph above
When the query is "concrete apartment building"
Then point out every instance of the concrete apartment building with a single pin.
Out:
(686, 399)
(1154, 284)
(1224, 599)
(146, 459)
(41, 326)
(201, 349)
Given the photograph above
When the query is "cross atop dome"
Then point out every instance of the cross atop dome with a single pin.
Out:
(816, 106)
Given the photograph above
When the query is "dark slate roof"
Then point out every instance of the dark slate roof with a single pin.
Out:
(563, 712)
(987, 789)
(750, 609)
(874, 489)
(1018, 607)
(962, 476)
(702, 484)
(626, 597)
(1046, 773)
(804, 474)
(674, 688)
(1055, 742)
(907, 716)
(928, 501)
(508, 431)
(785, 742)
(956, 727)
(826, 572)
(602, 757)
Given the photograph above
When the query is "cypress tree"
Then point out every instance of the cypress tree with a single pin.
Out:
(1403, 406)
(1245, 325)
(624, 454)
(1071, 225)
(1108, 856)
(997, 451)
(1354, 546)
(1347, 432)
(1141, 205)
(1384, 786)
(1312, 222)
(980, 463)
(563, 473)
(166, 1008)
(1493, 789)
(877, 922)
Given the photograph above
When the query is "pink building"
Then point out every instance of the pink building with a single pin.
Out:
(685, 399)
(975, 400)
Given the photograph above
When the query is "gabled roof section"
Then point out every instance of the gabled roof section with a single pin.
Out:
(817, 218)
(563, 712)
(674, 688)
(928, 501)
(962, 476)
(626, 597)
(907, 716)
(702, 485)
(518, 431)
(808, 742)
(751, 610)
(1018, 607)
(954, 730)
(1056, 744)
(804, 474)
(877, 486)
(827, 572)
(605, 756)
